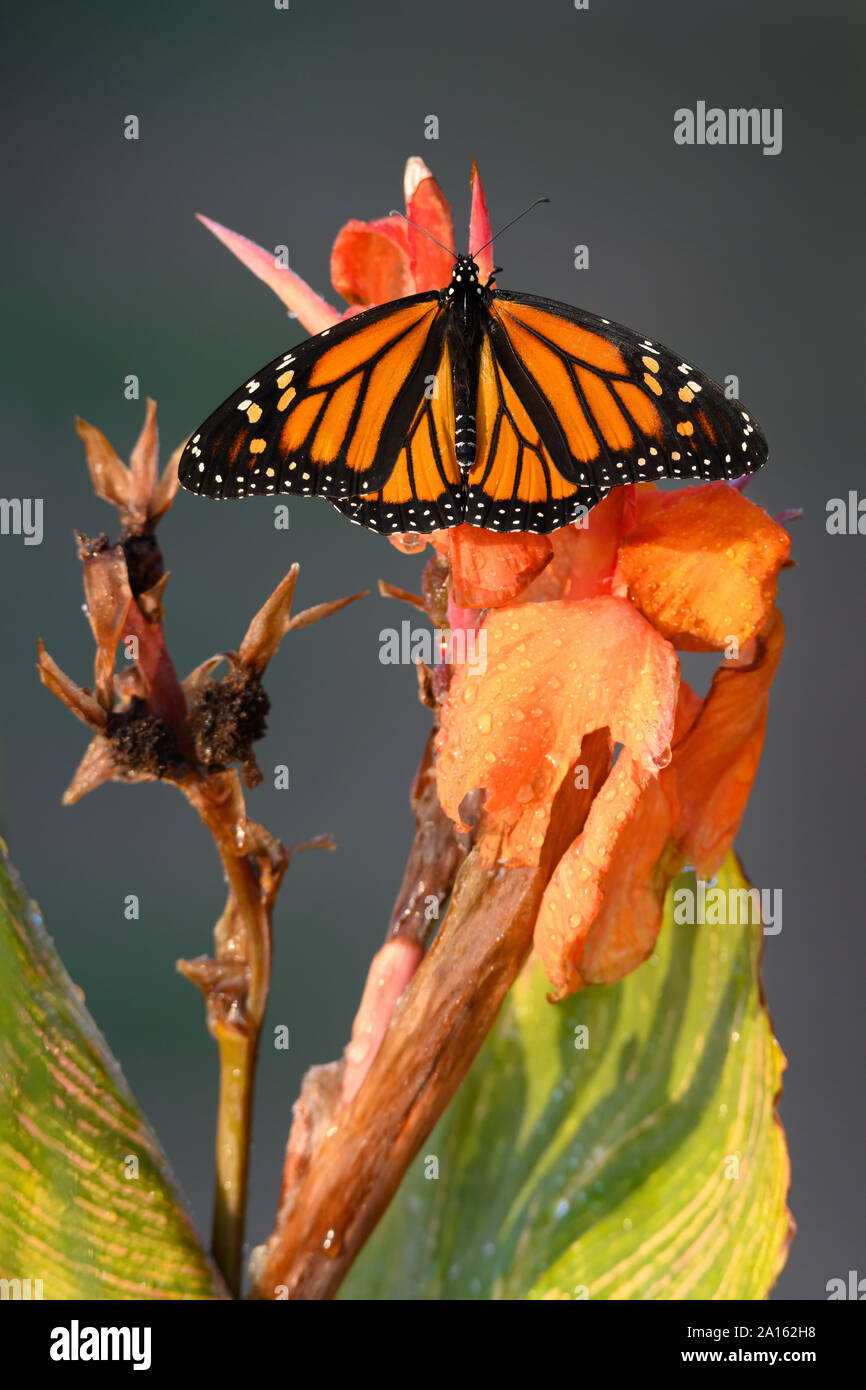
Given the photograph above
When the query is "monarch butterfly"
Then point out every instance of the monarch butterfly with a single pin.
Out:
(469, 404)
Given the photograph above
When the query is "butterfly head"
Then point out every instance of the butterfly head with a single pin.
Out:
(464, 278)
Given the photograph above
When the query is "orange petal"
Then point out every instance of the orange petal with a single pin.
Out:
(585, 556)
(554, 672)
(302, 301)
(371, 262)
(426, 205)
(702, 565)
(602, 910)
(488, 568)
(480, 234)
(689, 706)
(715, 765)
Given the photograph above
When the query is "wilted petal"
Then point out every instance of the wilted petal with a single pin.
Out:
(402, 595)
(129, 686)
(302, 301)
(308, 616)
(143, 466)
(199, 678)
(480, 233)
(169, 482)
(426, 205)
(489, 568)
(702, 565)
(602, 909)
(82, 703)
(269, 626)
(95, 769)
(715, 765)
(150, 600)
(110, 476)
(164, 692)
(371, 262)
(555, 671)
(106, 588)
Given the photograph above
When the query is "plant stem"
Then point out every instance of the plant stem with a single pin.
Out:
(234, 1128)
(244, 932)
(345, 1161)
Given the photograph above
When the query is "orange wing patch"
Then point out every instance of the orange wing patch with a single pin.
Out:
(358, 349)
(640, 408)
(549, 369)
(424, 491)
(605, 411)
(612, 410)
(578, 343)
(324, 418)
(513, 484)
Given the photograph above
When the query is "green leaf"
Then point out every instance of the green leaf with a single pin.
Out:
(70, 1134)
(650, 1165)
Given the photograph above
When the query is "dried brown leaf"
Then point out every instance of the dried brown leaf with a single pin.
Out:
(322, 610)
(82, 702)
(110, 476)
(143, 467)
(268, 627)
(402, 595)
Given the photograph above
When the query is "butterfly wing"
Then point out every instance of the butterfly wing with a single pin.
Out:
(424, 491)
(331, 418)
(569, 405)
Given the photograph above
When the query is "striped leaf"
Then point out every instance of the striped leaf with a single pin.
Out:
(647, 1165)
(88, 1205)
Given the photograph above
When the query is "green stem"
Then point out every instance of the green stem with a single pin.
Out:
(238, 1041)
(234, 1131)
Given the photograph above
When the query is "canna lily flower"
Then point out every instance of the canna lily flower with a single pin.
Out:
(591, 645)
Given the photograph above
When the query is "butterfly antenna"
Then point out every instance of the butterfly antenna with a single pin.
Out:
(509, 224)
(395, 212)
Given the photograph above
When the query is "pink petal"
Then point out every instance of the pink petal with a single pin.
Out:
(313, 312)
(427, 207)
(390, 972)
(479, 226)
(416, 172)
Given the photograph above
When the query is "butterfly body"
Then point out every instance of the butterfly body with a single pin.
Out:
(464, 301)
(469, 404)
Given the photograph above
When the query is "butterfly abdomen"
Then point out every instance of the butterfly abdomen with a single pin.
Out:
(464, 339)
(464, 440)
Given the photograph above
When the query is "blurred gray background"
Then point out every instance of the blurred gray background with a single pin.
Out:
(284, 124)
